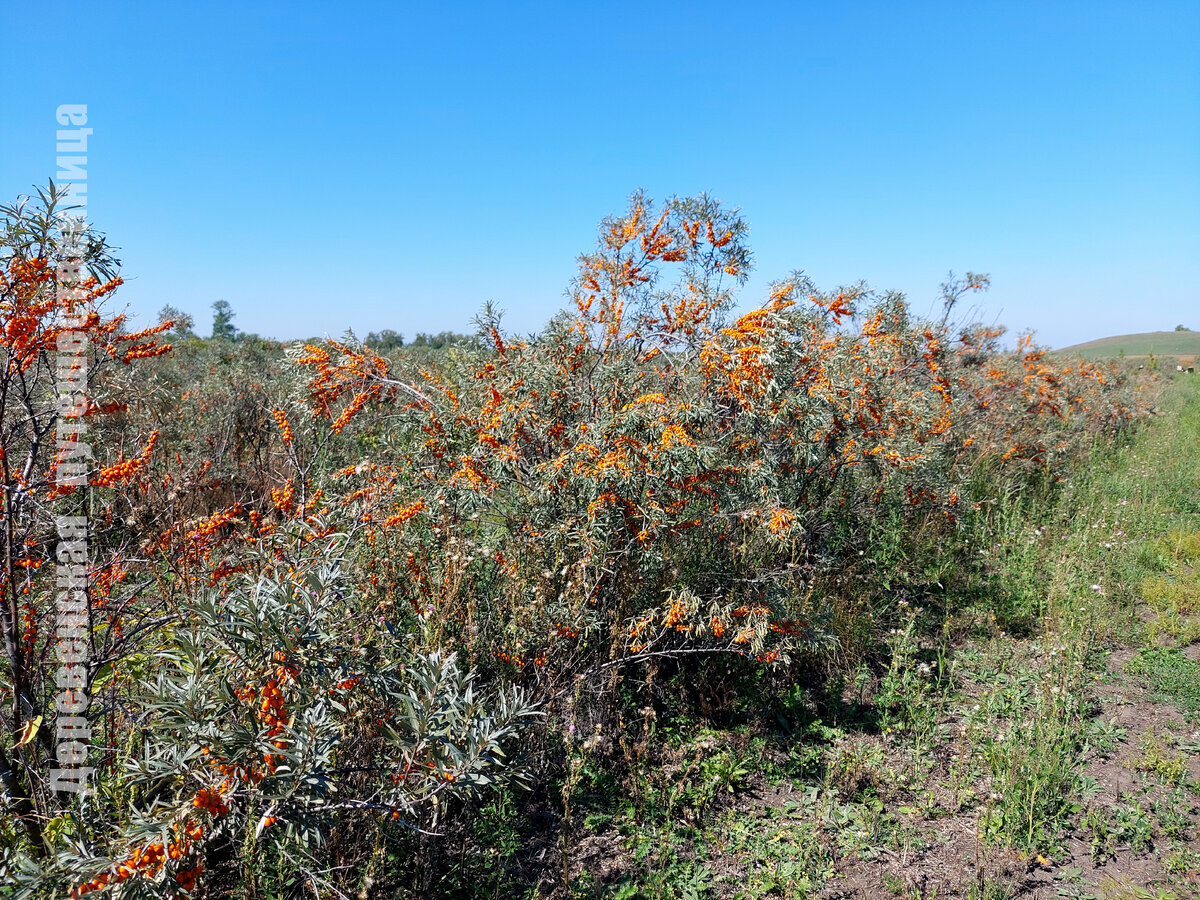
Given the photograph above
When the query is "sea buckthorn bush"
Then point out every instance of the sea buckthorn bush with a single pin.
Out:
(652, 476)
(273, 718)
(345, 597)
(55, 337)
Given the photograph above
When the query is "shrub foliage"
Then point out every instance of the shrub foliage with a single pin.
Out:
(340, 594)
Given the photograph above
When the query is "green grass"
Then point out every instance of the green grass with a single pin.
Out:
(1171, 675)
(1160, 343)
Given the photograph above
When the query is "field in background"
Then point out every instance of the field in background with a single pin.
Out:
(1162, 344)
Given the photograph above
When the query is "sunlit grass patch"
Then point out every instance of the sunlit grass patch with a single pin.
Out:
(1158, 759)
(1183, 545)
(1176, 602)
(1179, 595)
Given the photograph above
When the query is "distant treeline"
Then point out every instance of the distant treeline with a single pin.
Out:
(223, 329)
(389, 339)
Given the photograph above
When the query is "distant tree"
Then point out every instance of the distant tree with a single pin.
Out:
(183, 323)
(384, 340)
(223, 327)
(440, 340)
(1182, 328)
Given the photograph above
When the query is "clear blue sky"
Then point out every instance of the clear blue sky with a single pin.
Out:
(331, 165)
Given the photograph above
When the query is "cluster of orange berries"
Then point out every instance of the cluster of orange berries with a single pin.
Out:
(148, 350)
(29, 626)
(232, 773)
(26, 270)
(121, 472)
(469, 472)
(23, 336)
(271, 710)
(285, 427)
(207, 529)
(676, 434)
(148, 861)
(675, 616)
(365, 374)
(283, 499)
(94, 290)
(212, 802)
(187, 878)
(790, 627)
(404, 513)
(141, 347)
(352, 409)
(781, 521)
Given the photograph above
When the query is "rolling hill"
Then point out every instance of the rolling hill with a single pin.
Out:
(1160, 343)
